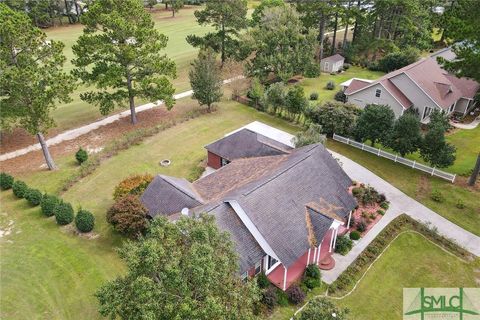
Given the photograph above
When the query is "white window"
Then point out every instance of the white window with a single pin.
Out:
(451, 108)
(378, 92)
(258, 267)
(224, 162)
(245, 276)
(426, 112)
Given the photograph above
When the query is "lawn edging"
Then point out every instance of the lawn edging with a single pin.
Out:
(347, 282)
(400, 224)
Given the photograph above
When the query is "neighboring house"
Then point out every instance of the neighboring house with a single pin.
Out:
(423, 85)
(283, 211)
(332, 64)
(253, 140)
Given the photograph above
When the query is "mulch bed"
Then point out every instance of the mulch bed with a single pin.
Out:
(34, 161)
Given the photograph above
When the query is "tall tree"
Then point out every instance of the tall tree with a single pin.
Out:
(334, 117)
(228, 17)
(120, 53)
(313, 134)
(435, 150)
(258, 13)
(205, 79)
(316, 13)
(375, 123)
(176, 5)
(281, 45)
(182, 270)
(463, 29)
(405, 136)
(31, 76)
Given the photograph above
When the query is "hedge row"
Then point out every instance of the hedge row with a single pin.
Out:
(49, 204)
(402, 223)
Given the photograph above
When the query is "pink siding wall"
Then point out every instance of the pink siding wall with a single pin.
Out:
(214, 160)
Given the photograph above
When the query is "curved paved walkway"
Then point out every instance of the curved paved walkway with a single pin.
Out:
(77, 132)
(469, 126)
(399, 203)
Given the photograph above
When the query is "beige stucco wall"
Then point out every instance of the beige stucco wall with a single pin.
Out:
(367, 96)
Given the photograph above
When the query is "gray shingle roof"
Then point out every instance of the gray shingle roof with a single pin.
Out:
(274, 199)
(245, 144)
(275, 202)
(247, 247)
(168, 195)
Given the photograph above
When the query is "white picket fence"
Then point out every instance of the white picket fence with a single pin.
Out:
(412, 164)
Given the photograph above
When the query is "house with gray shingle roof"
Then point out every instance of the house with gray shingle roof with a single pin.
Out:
(422, 85)
(282, 210)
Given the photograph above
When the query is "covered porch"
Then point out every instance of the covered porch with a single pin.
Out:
(283, 277)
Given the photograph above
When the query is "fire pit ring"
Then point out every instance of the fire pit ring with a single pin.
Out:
(165, 162)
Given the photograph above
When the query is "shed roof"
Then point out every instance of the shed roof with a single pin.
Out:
(335, 58)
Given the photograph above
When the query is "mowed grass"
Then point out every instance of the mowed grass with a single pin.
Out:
(467, 143)
(50, 273)
(410, 262)
(420, 186)
(176, 29)
(318, 84)
(47, 272)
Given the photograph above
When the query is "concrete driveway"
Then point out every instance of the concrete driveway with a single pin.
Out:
(399, 203)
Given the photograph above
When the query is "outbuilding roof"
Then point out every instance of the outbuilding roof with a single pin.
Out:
(335, 58)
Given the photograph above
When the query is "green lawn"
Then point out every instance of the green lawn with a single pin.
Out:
(419, 186)
(318, 84)
(467, 143)
(49, 273)
(410, 262)
(78, 112)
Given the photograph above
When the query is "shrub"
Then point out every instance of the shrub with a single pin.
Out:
(262, 281)
(354, 235)
(33, 196)
(6, 181)
(397, 60)
(362, 225)
(81, 156)
(282, 298)
(295, 294)
(437, 196)
(381, 212)
(344, 245)
(321, 308)
(311, 283)
(381, 198)
(64, 213)
(313, 271)
(384, 205)
(312, 70)
(314, 96)
(372, 216)
(135, 184)
(460, 204)
(340, 96)
(357, 192)
(19, 189)
(128, 216)
(352, 221)
(330, 85)
(346, 66)
(269, 297)
(84, 221)
(48, 204)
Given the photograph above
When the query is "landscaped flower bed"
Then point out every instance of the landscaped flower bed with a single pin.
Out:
(371, 208)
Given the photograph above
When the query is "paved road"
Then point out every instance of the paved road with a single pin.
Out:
(399, 203)
(75, 133)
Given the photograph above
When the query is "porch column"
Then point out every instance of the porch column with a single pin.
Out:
(349, 218)
(315, 255)
(331, 241)
(308, 256)
(335, 234)
(285, 279)
(318, 255)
